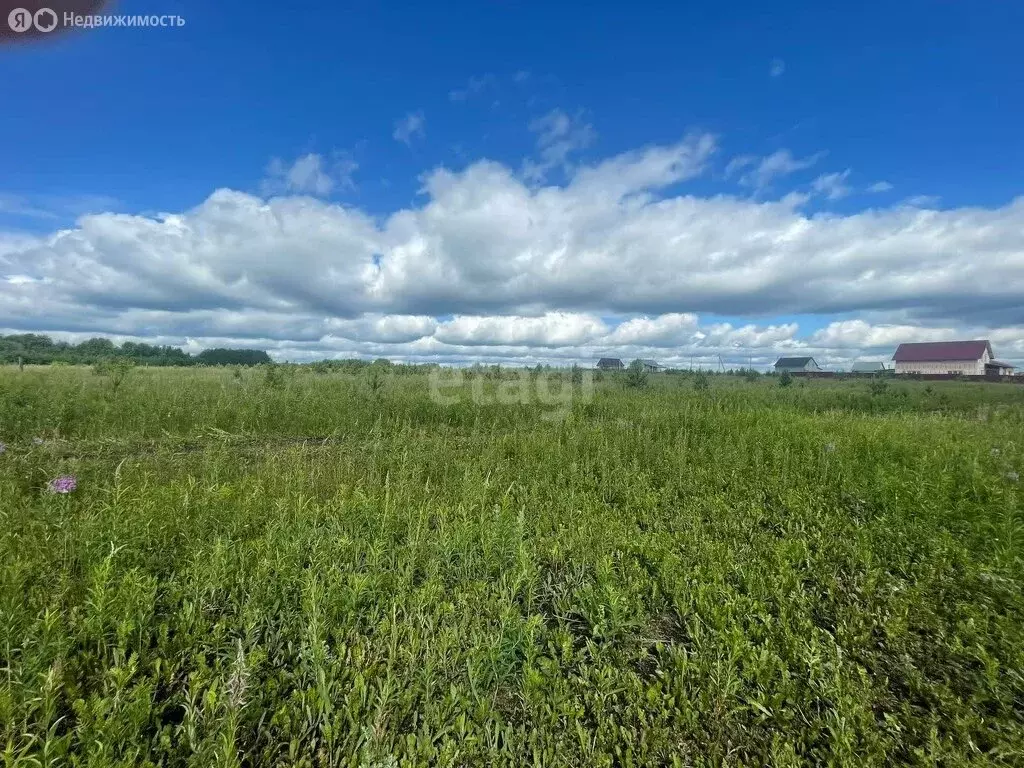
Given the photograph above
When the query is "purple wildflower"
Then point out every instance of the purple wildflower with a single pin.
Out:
(37, 441)
(3, 448)
(63, 484)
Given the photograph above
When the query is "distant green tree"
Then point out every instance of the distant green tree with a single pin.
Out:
(36, 349)
(218, 356)
(97, 348)
(636, 375)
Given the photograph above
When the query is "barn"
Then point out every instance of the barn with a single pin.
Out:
(964, 358)
(610, 364)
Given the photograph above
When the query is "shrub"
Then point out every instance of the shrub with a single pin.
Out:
(116, 369)
(375, 379)
(321, 366)
(273, 376)
(878, 387)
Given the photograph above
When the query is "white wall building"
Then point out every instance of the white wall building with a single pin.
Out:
(965, 358)
(796, 365)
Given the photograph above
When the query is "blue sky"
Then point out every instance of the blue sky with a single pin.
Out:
(881, 119)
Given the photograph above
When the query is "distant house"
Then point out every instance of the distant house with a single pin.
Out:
(795, 365)
(966, 358)
(650, 365)
(873, 366)
(610, 364)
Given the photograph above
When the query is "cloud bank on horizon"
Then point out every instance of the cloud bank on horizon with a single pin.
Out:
(499, 265)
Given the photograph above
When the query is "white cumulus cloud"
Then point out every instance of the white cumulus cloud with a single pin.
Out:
(623, 257)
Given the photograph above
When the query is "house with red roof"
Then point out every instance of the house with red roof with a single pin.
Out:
(965, 358)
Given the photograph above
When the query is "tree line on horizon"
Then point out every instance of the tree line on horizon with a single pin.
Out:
(38, 349)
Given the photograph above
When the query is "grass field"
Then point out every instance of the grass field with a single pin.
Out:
(303, 568)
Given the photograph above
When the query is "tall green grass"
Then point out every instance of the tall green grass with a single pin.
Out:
(307, 569)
